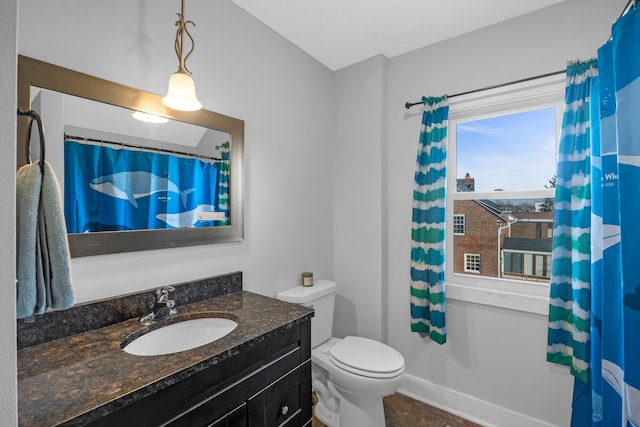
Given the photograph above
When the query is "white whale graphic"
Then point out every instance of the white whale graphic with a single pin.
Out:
(611, 235)
(133, 185)
(629, 160)
(603, 236)
(185, 219)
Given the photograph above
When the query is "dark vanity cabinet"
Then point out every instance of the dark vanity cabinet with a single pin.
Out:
(72, 370)
(266, 384)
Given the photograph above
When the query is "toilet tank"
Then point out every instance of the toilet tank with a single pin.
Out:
(321, 297)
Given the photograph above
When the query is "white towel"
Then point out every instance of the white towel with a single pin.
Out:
(43, 259)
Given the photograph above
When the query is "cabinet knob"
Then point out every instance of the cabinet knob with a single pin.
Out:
(284, 410)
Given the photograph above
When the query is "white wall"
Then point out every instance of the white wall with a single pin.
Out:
(242, 69)
(357, 192)
(494, 361)
(8, 400)
(301, 213)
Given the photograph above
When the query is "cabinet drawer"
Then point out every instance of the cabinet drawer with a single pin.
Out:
(295, 421)
(286, 402)
(282, 401)
(215, 406)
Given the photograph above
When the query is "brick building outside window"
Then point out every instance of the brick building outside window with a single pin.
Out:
(502, 238)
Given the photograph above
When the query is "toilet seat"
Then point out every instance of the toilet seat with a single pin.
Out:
(366, 357)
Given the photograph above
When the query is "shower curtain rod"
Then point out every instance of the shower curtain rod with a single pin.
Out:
(630, 4)
(627, 8)
(141, 147)
(408, 105)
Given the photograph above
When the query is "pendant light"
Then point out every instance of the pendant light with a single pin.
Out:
(182, 90)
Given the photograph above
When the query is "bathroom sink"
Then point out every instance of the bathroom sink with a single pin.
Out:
(181, 336)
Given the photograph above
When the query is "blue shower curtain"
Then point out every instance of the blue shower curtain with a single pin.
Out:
(610, 394)
(616, 318)
(110, 189)
(428, 226)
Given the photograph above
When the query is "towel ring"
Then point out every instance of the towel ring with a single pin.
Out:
(33, 115)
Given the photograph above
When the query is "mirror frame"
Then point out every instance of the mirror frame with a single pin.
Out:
(36, 73)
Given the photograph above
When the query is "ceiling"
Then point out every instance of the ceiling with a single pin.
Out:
(339, 33)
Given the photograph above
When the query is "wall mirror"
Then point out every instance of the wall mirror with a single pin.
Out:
(130, 185)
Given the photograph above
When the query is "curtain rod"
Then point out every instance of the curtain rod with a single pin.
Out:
(141, 147)
(630, 4)
(408, 105)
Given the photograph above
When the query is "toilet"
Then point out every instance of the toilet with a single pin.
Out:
(350, 375)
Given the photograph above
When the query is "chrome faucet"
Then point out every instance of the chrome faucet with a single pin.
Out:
(163, 308)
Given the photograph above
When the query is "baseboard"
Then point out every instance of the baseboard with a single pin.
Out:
(463, 405)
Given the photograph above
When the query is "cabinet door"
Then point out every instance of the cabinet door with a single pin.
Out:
(285, 402)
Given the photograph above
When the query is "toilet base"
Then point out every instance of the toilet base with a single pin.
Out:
(354, 412)
(357, 411)
(325, 416)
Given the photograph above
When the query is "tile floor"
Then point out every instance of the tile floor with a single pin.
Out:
(402, 411)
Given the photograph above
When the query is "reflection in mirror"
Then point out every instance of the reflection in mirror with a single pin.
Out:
(129, 184)
(138, 178)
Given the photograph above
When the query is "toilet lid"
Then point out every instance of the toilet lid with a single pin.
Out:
(367, 357)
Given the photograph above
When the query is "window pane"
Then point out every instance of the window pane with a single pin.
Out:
(458, 224)
(539, 265)
(510, 152)
(507, 262)
(528, 264)
(494, 229)
(517, 263)
(472, 263)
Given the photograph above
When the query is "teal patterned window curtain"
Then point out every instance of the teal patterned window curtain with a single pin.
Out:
(570, 289)
(223, 185)
(428, 226)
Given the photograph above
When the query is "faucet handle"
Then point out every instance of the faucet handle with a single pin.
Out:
(162, 294)
(163, 308)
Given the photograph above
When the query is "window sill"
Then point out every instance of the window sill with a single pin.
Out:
(534, 300)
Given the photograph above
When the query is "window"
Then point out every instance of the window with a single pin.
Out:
(501, 164)
(472, 263)
(458, 224)
(527, 266)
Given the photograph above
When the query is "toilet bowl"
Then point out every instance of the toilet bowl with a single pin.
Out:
(351, 375)
(358, 373)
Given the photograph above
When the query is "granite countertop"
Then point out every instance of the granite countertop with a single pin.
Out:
(87, 375)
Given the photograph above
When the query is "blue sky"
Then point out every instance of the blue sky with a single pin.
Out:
(512, 152)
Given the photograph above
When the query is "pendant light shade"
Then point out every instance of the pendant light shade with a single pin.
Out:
(182, 90)
(181, 94)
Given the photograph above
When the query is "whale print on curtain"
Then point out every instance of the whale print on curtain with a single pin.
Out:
(609, 395)
(110, 189)
(428, 225)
